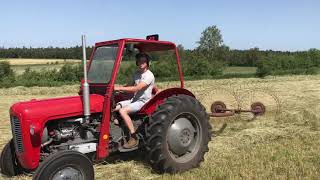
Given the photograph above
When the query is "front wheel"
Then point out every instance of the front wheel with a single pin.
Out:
(68, 164)
(178, 135)
(8, 161)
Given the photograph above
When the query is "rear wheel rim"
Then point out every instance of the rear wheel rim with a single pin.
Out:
(184, 137)
(68, 173)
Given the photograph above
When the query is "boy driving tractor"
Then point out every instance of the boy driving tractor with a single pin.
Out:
(141, 86)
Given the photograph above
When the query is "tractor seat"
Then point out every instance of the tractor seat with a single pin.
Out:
(155, 90)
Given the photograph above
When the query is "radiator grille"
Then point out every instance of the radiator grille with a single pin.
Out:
(16, 132)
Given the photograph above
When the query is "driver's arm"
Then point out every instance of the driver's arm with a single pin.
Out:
(131, 89)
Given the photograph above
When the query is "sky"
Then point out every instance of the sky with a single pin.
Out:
(274, 24)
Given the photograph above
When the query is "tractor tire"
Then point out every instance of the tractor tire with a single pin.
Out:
(178, 135)
(65, 165)
(8, 161)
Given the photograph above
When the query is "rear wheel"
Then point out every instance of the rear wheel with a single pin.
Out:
(8, 161)
(71, 165)
(178, 135)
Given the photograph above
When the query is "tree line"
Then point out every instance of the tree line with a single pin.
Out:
(44, 53)
(223, 53)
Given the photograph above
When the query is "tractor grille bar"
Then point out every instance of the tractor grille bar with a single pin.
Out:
(16, 132)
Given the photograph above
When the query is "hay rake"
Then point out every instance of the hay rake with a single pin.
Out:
(219, 109)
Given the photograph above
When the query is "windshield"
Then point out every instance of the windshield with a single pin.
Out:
(102, 64)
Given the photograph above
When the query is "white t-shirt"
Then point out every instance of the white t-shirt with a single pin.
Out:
(147, 77)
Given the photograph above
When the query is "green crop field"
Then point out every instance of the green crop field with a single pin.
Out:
(283, 144)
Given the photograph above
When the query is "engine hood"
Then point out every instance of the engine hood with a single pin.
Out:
(55, 108)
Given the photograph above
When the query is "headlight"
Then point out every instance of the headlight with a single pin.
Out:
(32, 129)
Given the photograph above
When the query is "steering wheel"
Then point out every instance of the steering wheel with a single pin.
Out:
(116, 93)
(113, 101)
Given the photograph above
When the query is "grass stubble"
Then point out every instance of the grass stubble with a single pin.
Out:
(283, 144)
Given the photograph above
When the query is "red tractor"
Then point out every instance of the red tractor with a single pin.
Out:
(60, 138)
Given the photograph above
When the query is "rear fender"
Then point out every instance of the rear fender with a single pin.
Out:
(159, 98)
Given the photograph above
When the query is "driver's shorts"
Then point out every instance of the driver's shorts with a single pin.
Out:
(134, 106)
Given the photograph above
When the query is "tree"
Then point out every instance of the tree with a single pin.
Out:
(5, 69)
(253, 56)
(210, 39)
(314, 55)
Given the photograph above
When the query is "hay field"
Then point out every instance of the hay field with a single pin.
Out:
(239, 70)
(19, 61)
(282, 145)
(19, 65)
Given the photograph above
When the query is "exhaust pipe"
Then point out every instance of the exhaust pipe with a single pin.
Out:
(85, 90)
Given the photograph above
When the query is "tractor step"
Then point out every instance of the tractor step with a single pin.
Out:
(121, 149)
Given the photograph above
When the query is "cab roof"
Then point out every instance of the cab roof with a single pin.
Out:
(142, 44)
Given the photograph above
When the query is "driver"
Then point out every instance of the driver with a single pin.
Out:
(142, 89)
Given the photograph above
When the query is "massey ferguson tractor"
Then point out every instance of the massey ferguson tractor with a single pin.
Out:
(61, 138)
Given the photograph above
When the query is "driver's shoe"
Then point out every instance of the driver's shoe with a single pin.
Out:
(132, 143)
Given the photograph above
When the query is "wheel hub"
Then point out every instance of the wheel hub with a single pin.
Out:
(68, 173)
(181, 136)
(186, 137)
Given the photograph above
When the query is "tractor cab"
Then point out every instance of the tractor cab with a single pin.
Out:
(112, 62)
